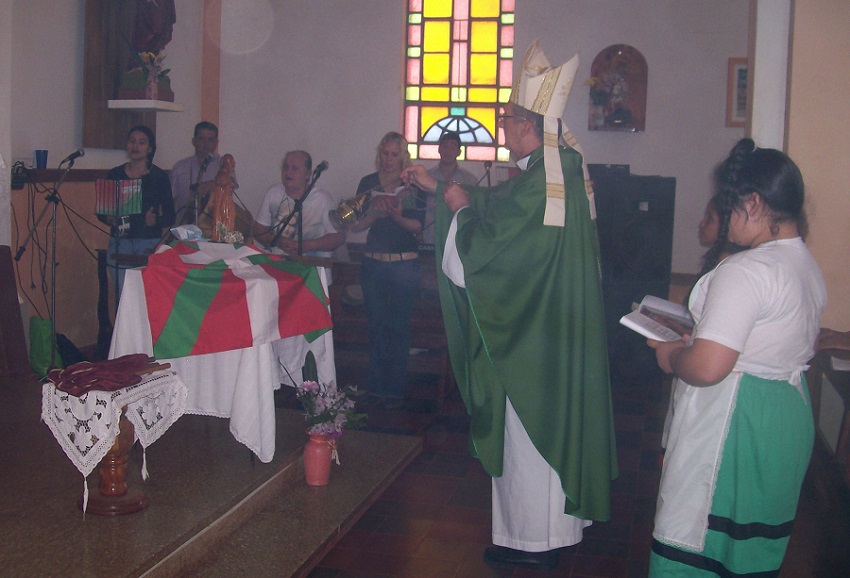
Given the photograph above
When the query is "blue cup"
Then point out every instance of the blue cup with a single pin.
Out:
(41, 159)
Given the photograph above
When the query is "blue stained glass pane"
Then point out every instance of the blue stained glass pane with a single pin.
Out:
(457, 111)
(470, 131)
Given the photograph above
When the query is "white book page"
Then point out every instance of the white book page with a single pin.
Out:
(637, 321)
(674, 310)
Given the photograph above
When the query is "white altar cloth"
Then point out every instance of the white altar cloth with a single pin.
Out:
(236, 384)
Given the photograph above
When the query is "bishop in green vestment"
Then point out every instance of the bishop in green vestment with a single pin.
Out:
(525, 325)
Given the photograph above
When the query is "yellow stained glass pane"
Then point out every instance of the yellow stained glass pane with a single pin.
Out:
(482, 69)
(411, 148)
(430, 115)
(414, 18)
(507, 53)
(508, 18)
(435, 94)
(504, 94)
(412, 93)
(437, 8)
(482, 94)
(486, 116)
(437, 36)
(484, 8)
(503, 155)
(435, 69)
(414, 52)
(484, 36)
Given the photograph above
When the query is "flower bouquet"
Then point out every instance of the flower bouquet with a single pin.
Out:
(328, 409)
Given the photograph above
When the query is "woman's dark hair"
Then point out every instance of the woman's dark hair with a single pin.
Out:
(151, 139)
(767, 172)
(723, 246)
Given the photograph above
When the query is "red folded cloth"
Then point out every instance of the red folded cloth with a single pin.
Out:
(107, 375)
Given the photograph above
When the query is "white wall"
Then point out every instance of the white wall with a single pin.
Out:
(313, 75)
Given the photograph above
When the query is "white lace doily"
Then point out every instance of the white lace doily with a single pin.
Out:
(86, 426)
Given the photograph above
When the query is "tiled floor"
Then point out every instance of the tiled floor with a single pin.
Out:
(435, 519)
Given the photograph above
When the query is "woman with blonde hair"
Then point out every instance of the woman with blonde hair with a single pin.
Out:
(389, 270)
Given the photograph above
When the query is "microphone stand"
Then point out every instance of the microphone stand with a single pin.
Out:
(298, 208)
(53, 200)
(194, 187)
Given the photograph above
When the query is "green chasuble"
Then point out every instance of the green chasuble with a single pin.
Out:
(530, 326)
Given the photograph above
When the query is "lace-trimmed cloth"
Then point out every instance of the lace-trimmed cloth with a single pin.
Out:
(86, 426)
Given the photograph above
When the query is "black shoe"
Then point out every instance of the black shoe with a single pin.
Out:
(510, 558)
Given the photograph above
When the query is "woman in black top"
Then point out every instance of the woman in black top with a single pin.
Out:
(389, 270)
(140, 234)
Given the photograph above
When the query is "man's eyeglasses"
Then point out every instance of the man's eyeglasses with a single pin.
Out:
(502, 117)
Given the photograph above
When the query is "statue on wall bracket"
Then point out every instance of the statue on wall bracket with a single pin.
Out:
(152, 24)
(618, 90)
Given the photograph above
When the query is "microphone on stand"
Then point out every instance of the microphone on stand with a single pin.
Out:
(320, 168)
(207, 160)
(73, 156)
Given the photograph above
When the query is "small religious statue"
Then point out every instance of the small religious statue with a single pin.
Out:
(221, 199)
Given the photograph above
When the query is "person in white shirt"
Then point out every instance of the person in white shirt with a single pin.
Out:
(741, 429)
(319, 238)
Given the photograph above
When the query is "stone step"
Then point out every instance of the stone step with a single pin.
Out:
(298, 524)
(204, 487)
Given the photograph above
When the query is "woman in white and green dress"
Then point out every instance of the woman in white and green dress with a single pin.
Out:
(742, 431)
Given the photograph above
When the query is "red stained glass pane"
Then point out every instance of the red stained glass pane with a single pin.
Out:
(505, 72)
(461, 11)
(414, 35)
(480, 153)
(413, 70)
(459, 64)
(411, 122)
(507, 36)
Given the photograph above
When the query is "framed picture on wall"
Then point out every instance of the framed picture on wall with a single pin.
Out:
(736, 92)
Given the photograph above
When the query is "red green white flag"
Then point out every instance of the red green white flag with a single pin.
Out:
(212, 297)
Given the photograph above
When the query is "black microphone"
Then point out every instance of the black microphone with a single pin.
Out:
(323, 166)
(207, 160)
(487, 165)
(74, 156)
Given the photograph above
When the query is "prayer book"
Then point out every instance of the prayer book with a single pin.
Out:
(659, 319)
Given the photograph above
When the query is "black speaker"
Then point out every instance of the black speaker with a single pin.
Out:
(635, 224)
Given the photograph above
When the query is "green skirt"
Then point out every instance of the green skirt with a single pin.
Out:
(764, 460)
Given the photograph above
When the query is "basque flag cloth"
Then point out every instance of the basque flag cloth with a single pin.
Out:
(212, 297)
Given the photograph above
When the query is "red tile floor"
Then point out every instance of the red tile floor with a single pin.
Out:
(434, 520)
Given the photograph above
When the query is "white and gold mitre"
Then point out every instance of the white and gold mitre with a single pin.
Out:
(544, 89)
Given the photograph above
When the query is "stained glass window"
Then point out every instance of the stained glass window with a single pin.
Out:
(459, 70)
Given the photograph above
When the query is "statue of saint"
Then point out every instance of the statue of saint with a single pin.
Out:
(221, 201)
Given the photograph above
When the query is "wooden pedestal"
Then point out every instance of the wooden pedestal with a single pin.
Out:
(114, 497)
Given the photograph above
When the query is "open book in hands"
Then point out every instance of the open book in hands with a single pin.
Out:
(659, 319)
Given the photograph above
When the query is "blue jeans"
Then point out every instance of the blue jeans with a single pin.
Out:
(123, 246)
(389, 292)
